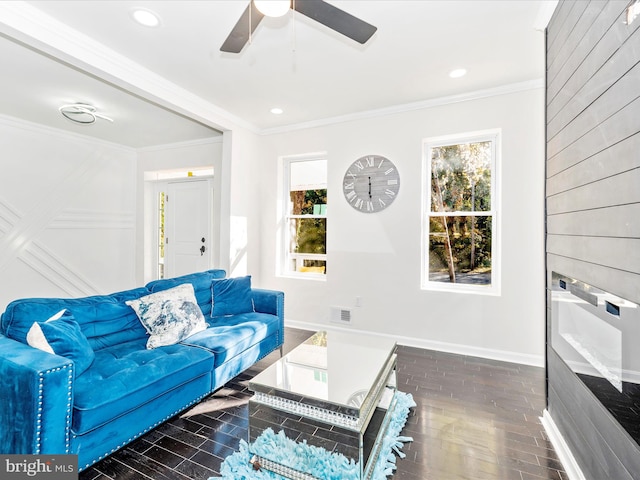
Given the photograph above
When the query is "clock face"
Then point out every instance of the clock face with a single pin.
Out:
(371, 183)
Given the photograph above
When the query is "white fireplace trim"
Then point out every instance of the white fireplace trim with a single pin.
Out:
(562, 449)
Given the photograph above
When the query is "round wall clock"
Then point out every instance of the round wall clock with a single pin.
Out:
(371, 183)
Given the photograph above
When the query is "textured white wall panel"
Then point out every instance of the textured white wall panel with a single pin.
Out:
(67, 213)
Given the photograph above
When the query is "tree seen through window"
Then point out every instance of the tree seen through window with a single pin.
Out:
(461, 218)
(306, 217)
(310, 233)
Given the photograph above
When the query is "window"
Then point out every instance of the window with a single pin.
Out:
(305, 219)
(460, 237)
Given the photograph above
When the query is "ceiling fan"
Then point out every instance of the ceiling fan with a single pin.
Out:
(318, 10)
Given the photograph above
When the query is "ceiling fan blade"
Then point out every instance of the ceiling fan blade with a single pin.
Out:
(241, 32)
(336, 19)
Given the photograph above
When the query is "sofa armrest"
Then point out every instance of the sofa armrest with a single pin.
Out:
(270, 301)
(36, 397)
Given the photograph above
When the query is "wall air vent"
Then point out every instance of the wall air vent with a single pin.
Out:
(341, 315)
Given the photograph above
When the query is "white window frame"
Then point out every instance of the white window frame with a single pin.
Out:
(286, 216)
(494, 136)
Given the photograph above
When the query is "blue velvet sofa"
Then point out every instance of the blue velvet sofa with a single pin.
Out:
(46, 407)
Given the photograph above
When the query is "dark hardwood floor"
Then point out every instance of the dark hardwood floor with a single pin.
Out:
(475, 419)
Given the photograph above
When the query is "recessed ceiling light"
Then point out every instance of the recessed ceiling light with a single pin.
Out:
(145, 17)
(457, 73)
(277, 111)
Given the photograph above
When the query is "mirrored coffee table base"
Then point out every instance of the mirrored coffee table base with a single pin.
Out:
(335, 391)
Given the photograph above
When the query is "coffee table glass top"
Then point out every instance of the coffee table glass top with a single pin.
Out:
(339, 368)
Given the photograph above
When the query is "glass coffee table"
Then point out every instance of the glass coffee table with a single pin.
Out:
(333, 391)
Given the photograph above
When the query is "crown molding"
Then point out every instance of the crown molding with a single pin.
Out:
(34, 28)
(185, 144)
(41, 129)
(408, 107)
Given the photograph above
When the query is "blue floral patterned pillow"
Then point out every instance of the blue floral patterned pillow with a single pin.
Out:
(169, 316)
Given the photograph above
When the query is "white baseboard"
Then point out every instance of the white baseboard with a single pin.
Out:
(562, 449)
(502, 355)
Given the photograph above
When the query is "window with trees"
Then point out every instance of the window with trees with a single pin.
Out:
(305, 222)
(460, 236)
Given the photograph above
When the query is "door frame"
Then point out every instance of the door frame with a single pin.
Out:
(169, 229)
(151, 223)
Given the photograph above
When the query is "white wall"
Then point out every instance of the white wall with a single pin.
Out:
(249, 193)
(67, 213)
(377, 256)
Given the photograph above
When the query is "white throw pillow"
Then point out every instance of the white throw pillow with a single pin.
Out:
(169, 316)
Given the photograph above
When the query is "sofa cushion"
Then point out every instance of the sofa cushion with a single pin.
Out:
(104, 319)
(127, 376)
(229, 336)
(230, 296)
(201, 282)
(61, 335)
(169, 315)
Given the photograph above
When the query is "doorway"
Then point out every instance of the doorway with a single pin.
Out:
(184, 226)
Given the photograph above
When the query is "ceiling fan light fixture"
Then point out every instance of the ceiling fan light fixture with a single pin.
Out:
(82, 113)
(318, 10)
(273, 8)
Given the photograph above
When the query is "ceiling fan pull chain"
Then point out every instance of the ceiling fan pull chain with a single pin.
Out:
(293, 23)
(250, 31)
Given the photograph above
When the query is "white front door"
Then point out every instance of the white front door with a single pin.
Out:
(188, 227)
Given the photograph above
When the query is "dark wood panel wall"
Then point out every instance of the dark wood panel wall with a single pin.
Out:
(593, 200)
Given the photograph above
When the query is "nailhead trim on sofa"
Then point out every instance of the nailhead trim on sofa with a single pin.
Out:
(41, 377)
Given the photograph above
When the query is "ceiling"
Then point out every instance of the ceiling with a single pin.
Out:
(314, 74)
